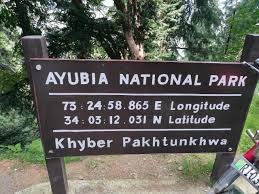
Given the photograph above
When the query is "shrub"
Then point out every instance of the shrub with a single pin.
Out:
(17, 127)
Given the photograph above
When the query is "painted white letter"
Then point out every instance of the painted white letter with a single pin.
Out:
(51, 79)
(213, 78)
(103, 79)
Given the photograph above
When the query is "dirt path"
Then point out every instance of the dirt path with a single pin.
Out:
(148, 169)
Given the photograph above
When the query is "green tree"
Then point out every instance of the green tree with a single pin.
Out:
(16, 118)
(162, 28)
(198, 30)
(30, 16)
(18, 18)
(136, 29)
(17, 128)
(244, 20)
(81, 31)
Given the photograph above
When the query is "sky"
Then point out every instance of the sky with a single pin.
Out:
(109, 3)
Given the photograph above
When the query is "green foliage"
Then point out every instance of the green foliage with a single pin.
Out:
(243, 21)
(28, 15)
(80, 32)
(8, 51)
(17, 18)
(162, 21)
(162, 27)
(200, 23)
(14, 90)
(5, 48)
(75, 36)
(252, 123)
(17, 123)
(17, 127)
(167, 29)
(33, 153)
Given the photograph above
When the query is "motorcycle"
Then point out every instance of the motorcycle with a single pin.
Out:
(246, 166)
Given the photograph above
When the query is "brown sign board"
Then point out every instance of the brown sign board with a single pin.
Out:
(88, 107)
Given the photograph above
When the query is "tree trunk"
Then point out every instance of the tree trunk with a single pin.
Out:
(230, 30)
(130, 24)
(136, 50)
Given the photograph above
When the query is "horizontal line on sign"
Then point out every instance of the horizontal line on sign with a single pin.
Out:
(132, 130)
(139, 94)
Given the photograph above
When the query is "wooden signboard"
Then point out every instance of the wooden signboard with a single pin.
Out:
(131, 107)
(95, 107)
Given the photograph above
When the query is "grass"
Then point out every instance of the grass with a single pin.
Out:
(252, 122)
(195, 167)
(32, 154)
(92, 163)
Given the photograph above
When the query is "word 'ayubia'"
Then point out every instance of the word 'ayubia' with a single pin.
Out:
(85, 78)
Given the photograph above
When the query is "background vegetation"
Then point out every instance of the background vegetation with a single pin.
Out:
(209, 30)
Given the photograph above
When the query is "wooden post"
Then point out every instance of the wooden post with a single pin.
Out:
(251, 48)
(57, 175)
(35, 47)
(249, 54)
(221, 164)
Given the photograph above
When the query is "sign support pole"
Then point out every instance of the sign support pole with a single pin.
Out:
(250, 53)
(35, 47)
(57, 175)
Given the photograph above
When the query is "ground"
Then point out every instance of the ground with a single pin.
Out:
(156, 173)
